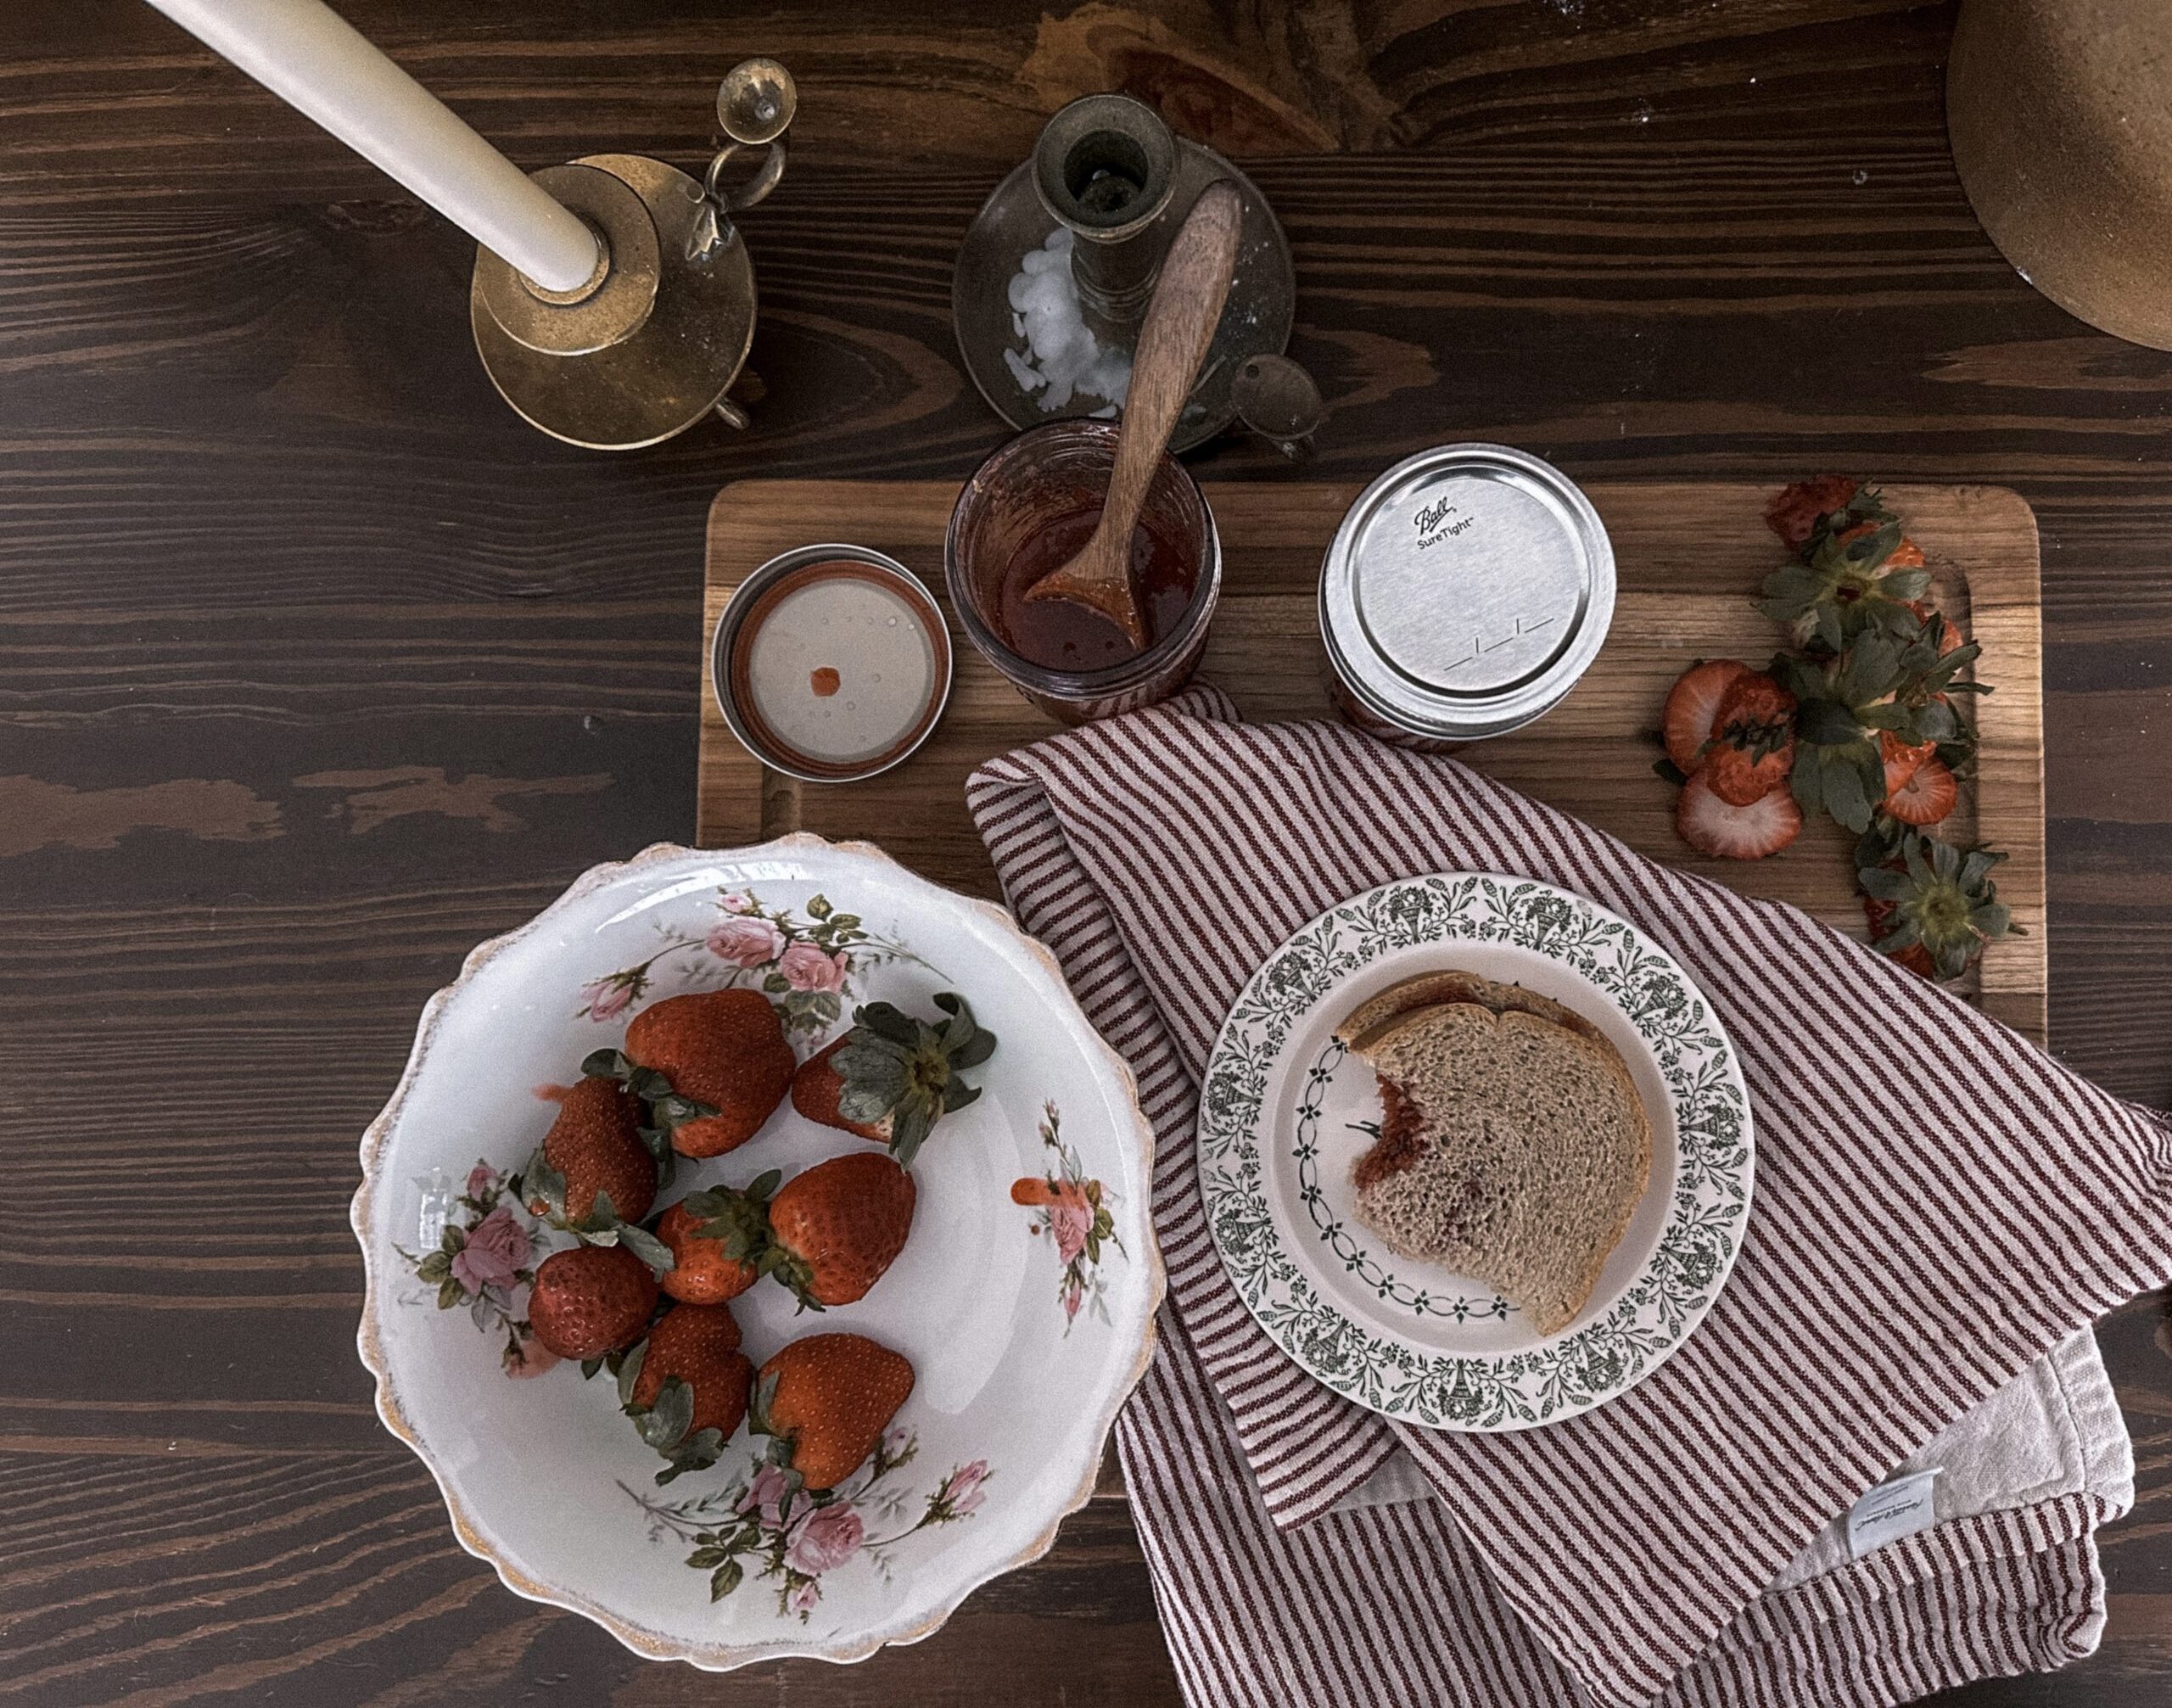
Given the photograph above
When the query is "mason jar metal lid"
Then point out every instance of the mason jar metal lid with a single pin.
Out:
(1466, 590)
(831, 663)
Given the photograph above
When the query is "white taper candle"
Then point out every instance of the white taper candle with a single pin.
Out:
(310, 56)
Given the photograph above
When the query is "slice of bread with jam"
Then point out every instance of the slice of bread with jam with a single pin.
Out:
(1515, 1147)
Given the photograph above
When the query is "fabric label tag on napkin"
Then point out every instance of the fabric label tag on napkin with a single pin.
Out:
(1890, 1511)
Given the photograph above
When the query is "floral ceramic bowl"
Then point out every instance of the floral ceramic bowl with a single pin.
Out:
(1025, 1297)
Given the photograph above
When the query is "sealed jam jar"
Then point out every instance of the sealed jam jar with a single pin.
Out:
(1028, 510)
(1466, 591)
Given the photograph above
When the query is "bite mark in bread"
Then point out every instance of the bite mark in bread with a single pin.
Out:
(1401, 1143)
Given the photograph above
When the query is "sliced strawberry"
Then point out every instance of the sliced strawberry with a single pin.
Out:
(1753, 744)
(1907, 555)
(1693, 706)
(1917, 959)
(1795, 512)
(1902, 761)
(1714, 827)
(1753, 697)
(1739, 779)
(1927, 797)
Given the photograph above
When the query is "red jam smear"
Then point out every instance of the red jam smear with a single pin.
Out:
(1062, 634)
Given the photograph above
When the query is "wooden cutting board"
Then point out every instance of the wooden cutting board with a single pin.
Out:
(1689, 559)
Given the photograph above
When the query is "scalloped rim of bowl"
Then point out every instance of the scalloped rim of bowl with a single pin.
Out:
(652, 1644)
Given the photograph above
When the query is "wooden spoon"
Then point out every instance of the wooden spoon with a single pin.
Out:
(1180, 322)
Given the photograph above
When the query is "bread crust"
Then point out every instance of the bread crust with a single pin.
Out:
(1376, 1013)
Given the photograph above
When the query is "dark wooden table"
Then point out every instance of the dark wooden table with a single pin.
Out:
(317, 666)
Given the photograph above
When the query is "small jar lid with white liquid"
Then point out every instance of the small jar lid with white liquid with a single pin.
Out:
(831, 663)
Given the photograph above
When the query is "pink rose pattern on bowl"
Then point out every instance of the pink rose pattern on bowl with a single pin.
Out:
(483, 1256)
(805, 964)
(793, 1539)
(496, 1254)
(746, 944)
(1073, 1212)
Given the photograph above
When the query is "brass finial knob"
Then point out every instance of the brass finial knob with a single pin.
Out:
(756, 101)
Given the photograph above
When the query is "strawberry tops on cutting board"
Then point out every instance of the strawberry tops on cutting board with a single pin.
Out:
(1861, 716)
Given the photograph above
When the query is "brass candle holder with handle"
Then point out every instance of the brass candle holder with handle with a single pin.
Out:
(650, 345)
(613, 298)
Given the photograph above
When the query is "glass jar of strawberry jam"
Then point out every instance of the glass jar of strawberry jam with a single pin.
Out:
(1026, 511)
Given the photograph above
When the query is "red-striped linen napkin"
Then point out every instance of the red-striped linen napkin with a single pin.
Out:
(1939, 1206)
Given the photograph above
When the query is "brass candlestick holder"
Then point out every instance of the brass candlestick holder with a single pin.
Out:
(1111, 172)
(657, 336)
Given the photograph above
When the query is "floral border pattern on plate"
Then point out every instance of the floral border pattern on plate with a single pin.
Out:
(1713, 1169)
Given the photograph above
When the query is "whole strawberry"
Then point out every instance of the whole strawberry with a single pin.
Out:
(824, 1401)
(895, 1076)
(836, 1227)
(598, 1169)
(685, 1387)
(701, 1273)
(590, 1300)
(817, 1093)
(713, 1066)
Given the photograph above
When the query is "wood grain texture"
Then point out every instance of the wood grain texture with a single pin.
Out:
(1688, 560)
(311, 655)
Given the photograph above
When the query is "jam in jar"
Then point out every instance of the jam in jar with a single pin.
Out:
(1027, 511)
